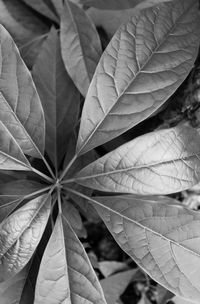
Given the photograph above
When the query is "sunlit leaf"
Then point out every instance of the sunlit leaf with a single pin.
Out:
(59, 96)
(80, 43)
(160, 162)
(20, 234)
(65, 273)
(20, 108)
(143, 65)
(162, 238)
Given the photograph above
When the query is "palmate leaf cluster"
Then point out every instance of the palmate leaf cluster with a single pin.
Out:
(49, 168)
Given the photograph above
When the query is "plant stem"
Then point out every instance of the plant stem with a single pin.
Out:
(59, 201)
(37, 192)
(48, 167)
(49, 179)
(67, 167)
(68, 181)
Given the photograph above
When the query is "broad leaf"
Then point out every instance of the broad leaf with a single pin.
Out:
(11, 155)
(160, 162)
(179, 300)
(110, 20)
(80, 43)
(20, 234)
(43, 7)
(73, 280)
(20, 108)
(111, 4)
(143, 65)
(19, 188)
(162, 238)
(72, 215)
(59, 96)
(11, 290)
(8, 205)
(115, 285)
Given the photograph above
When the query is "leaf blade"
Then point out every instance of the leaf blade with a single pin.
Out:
(170, 240)
(16, 228)
(139, 70)
(162, 162)
(80, 45)
(20, 108)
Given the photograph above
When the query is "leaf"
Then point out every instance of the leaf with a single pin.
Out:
(11, 155)
(73, 279)
(143, 65)
(110, 20)
(80, 45)
(22, 24)
(163, 295)
(163, 239)
(111, 4)
(160, 162)
(20, 108)
(59, 96)
(20, 234)
(42, 7)
(20, 187)
(11, 290)
(144, 300)
(179, 300)
(115, 285)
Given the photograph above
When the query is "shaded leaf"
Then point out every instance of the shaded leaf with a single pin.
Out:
(74, 280)
(59, 96)
(144, 300)
(20, 187)
(163, 239)
(42, 7)
(115, 285)
(163, 295)
(11, 290)
(20, 234)
(111, 4)
(143, 65)
(80, 45)
(8, 205)
(11, 155)
(160, 162)
(20, 108)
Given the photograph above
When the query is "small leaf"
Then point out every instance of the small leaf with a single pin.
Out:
(163, 239)
(110, 267)
(73, 280)
(163, 295)
(11, 155)
(42, 7)
(160, 162)
(80, 44)
(59, 96)
(20, 234)
(20, 108)
(115, 285)
(145, 62)
(11, 290)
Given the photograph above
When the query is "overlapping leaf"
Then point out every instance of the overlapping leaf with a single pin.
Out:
(59, 96)
(20, 108)
(81, 47)
(143, 65)
(161, 162)
(162, 238)
(111, 4)
(43, 7)
(74, 281)
(20, 234)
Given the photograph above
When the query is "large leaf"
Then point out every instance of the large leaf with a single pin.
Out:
(160, 162)
(21, 187)
(43, 7)
(143, 65)
(20, 234)
(20, 108)
(59, 96)
(110, 20)
(11, 155)
(65, 273)
(81, 47)
(11, 290)
(162, 238)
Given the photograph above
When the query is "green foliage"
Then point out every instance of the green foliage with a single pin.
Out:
(51, 176)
